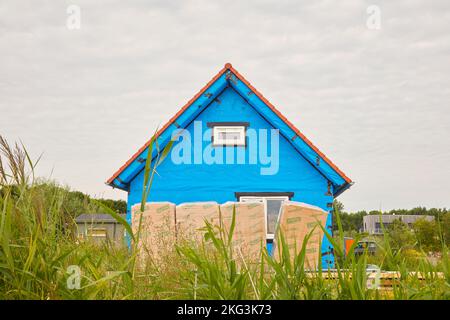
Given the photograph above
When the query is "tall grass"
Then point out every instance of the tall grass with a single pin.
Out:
(38, 251)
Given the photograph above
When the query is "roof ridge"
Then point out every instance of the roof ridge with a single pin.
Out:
(228, 66)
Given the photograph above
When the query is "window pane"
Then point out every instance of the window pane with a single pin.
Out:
(97, 232)
(230, 135)
(259, 200)
(273, 210)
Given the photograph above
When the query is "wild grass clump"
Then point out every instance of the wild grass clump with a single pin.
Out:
(40, 258)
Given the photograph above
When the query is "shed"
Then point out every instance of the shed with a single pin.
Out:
(215, 156)
(100, 227)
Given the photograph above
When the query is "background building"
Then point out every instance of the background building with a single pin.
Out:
(372, 223)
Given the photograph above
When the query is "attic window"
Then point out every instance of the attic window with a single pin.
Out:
(228, 133)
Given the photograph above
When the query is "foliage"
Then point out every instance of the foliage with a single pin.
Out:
(400, 235)
(446, 227)
(426, 235)
(37, 252)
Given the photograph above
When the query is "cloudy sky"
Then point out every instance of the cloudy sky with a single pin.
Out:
(375, 100)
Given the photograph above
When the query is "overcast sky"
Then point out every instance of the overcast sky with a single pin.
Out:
(375, 101)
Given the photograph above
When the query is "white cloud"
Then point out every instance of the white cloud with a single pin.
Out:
(376, 102)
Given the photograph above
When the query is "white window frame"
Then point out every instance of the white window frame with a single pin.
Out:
(260, 199)
(92, 232)
(217, 141)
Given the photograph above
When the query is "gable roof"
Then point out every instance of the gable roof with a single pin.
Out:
(228, 76)
(97, 217)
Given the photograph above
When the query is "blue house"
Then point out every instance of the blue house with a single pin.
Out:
(232, 144)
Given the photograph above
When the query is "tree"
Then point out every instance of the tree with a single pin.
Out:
(119, 206)
(426, 233)
(338, 206)
(446, 228)
(400, 235)
(351, 222)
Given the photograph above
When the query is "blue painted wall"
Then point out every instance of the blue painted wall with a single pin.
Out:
(179, 183)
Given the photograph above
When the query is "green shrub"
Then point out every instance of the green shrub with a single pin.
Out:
(38, 256)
